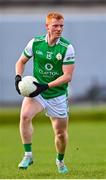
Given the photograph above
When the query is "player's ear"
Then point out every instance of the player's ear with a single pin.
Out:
(46, 26)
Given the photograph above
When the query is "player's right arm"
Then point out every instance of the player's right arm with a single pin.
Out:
(19, 68)
(20, 64)
(26, 55)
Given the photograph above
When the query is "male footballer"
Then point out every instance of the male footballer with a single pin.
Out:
(53, 65)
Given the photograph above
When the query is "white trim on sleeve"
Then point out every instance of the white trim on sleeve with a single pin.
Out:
(70, 54)
(28, 49)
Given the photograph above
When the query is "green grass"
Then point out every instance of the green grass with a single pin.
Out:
(85, 154)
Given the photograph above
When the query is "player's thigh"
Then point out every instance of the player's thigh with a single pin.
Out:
(59, 125)
(30, 107)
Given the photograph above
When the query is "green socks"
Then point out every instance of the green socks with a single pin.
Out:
(60, 157)
(27, 147)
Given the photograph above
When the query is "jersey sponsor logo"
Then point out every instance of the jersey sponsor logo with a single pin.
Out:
(48, 66)
(48, 73)
(49, 55)
(39, 52)
(71, 59)
(59, 56)
(68, 58)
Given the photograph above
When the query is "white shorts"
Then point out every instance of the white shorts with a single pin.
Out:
(55, 107)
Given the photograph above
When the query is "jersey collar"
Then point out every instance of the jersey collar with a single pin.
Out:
(46, 37)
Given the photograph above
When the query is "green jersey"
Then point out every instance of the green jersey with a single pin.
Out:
(48, 61)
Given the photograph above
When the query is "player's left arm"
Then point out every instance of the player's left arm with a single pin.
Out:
(65, 78)
(67, 68)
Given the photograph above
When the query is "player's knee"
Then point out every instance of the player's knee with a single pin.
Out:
(62, 135)
(25, 117)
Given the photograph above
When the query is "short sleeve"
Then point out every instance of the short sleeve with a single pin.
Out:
(28, 52)
(69, 56)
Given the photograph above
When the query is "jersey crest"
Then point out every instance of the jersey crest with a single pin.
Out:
(59, 56)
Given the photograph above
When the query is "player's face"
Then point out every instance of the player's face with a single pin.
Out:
(55, 28)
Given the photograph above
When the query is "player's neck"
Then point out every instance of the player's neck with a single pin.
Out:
(51, 40)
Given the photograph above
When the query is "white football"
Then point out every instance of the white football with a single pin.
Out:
(26, 85)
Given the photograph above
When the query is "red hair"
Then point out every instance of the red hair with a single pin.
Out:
(54, 15)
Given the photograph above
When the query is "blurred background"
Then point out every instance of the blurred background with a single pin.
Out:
(85, 27)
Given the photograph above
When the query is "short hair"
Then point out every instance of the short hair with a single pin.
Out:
(54, 15)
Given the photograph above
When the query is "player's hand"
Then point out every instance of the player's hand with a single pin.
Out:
(40, 88)
(17, 80)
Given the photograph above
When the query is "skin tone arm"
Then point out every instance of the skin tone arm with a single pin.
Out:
(66, 77)
(20, 65)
